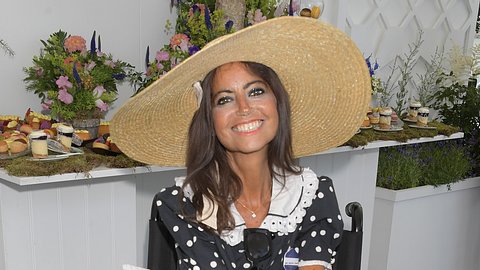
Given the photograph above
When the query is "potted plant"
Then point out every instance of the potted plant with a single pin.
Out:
(425, 198)
(75, 84)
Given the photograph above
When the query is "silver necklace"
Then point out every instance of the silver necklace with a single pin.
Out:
(252, 213)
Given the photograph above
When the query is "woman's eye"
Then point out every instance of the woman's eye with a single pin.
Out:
(223, 100)
(256, 92)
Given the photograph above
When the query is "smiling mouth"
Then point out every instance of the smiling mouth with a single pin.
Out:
(249, 127)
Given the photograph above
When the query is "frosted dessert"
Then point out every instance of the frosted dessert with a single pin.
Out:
(38, 142)
(64, 136)
(422, 116)
(385, 121)
(413, 110)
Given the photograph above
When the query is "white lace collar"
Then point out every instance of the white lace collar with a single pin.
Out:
(287, 207)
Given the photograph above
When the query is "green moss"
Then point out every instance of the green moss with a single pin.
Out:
(370, 135)
(85, 163)
(76, 164)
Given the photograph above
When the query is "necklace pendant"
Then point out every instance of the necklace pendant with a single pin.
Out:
(254, 215)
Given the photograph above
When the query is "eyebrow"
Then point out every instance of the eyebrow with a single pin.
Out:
(247, 85)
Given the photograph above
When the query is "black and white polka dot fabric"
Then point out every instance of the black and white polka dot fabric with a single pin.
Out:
(303, 217)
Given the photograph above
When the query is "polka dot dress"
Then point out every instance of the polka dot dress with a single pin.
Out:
(303, 217)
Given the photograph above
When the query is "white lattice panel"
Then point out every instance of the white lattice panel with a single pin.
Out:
(385, 28)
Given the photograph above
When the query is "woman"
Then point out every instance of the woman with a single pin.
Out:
(244, 203)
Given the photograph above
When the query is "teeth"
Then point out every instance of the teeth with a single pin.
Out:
(248, 127)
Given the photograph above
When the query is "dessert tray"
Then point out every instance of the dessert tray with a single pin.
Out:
(392, 129)
(56, 147)
(424, 127)
(409, 120)
(10, 156)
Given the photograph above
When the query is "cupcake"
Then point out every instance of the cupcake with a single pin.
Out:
(422, 116)
(385, 121)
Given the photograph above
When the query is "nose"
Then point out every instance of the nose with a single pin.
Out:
(243, 106)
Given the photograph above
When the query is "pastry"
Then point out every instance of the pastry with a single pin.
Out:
(366, 121)
(35, 123)
(12, 125)
(394, 117)
(113, 146)
(100, 143)
(49, 133)
(84, 135)
(26, 128)
(385, 119)
(3, 147)
(18, 145)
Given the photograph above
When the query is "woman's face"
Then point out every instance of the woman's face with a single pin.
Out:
(244, 110)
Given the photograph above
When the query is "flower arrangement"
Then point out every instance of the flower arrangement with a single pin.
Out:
(73, 82)
(380, 92)
(197, 25)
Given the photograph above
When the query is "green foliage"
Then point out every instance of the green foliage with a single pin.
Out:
(408, 62)
(409, 166)
(459, 105)
(266, 6)
(397, 169)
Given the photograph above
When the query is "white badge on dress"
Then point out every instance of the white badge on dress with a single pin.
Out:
(290, 259)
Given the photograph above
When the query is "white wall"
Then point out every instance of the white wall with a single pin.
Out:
(382, 28)
(126, 27)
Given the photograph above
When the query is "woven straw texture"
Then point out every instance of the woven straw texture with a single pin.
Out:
(321, 68)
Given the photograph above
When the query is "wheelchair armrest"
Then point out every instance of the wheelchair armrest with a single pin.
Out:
(355, 211)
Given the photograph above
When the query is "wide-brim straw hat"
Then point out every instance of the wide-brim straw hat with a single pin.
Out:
(322, 69)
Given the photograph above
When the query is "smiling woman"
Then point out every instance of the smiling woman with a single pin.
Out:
(237, 114)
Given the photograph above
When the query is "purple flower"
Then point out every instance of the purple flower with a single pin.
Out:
(63, 82)
(162, 56)
(64, 96)
(147, 57)
(90, 65)
(160, 66)
(110, 63)
(229, 25)
(101, 105)
(183, 45)
(208, 23)
(98, 91)
(46, 105)
(192, 50)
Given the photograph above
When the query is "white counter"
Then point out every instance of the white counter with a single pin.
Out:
(99, 220)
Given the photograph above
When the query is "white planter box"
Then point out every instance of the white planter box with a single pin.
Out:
(427, 228)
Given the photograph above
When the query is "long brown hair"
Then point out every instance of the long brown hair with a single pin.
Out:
(208, 171)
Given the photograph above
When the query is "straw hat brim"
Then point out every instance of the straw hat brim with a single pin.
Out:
(322, 69)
